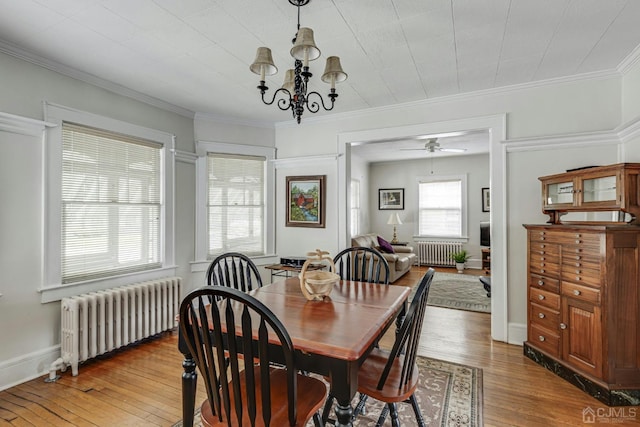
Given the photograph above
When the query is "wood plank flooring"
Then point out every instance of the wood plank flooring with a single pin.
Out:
(141, 386)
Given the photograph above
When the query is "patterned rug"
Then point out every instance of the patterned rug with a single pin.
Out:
(448, 394)
(459, 291)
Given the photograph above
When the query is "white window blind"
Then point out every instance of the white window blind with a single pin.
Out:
(111, 203)
(235, 204)
(440, 208)
(355, 207)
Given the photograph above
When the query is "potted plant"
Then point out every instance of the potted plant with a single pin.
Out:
(460, 258)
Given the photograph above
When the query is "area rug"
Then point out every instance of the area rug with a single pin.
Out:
(459, 291)
(448, 394)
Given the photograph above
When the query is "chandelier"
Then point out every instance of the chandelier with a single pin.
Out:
(293, 93)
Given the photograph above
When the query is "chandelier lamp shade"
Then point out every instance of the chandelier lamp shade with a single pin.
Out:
(294, 94)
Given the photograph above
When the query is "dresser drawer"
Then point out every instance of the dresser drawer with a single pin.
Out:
(581, 253)
(578, 261)
(544, 339)
(580, 292)
(544, 268)
(578, 238)
(585, 276)
(546, 283)
(544, 248)
(544, 317)
(544, 298)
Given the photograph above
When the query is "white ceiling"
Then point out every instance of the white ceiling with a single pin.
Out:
(195, 54)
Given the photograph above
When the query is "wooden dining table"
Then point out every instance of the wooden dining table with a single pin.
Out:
(331, 337)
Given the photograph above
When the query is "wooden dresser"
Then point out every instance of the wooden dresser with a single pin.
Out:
(584, 303)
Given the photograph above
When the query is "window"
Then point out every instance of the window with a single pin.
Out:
(111, 203)
(235, 204)
(234, 210)
(355, 207)
(441, 207)
(109, 211)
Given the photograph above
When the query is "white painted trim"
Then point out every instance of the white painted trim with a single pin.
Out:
(517, 333)
(57, 67)
(305, 161)
(27, 367)
(217, 118)
(185, 156)
(22, 125)
(497, 125)
(630, 61)
(629, 130)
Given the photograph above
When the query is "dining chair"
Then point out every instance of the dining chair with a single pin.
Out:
(362, 265)
(235, 270)
(256, 395)
(392, 376)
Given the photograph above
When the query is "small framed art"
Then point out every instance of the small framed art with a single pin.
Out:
(485, 200)
(305, 201)
(391, 199)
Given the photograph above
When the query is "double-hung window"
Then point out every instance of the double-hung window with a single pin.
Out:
(235, 204)
(442, 207)
(235, 210)
(109, 218)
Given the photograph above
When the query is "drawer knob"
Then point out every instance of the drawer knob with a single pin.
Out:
(542, 238)
(540, 282)
(578, 264)
(541, 258)
(541, 338)
(578, 241)
(540, 297)
(576, 292)
(542, 270)
(563, 326)
(541, 315)
(578, 257)
(577, 278)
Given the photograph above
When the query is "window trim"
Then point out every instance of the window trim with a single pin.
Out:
(52, 288)
(202, 149)
(465, 206)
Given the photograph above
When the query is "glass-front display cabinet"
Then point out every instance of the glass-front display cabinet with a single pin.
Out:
(612, 188)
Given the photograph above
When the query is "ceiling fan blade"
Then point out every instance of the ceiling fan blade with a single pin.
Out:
(453, 150)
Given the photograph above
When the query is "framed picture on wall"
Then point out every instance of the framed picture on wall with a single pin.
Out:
(305, 201)
(485, 200)
(391, 199)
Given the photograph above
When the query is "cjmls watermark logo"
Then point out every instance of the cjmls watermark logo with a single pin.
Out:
(608, 415)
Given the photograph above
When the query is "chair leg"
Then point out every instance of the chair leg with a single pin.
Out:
(383, 415)
(317, 421)
(360, 408)
(416, 409)
(327, 408)
(395, 421)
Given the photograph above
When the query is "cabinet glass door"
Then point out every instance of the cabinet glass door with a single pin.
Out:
(599, 189)
(560, 193)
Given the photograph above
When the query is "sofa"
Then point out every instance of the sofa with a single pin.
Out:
(399, 262)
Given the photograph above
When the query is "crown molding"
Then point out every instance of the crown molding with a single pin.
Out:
(349, 115)
(630, 61)
(226, 120)
(23, 125)
(59, 68)
(305, 160)
(629, 130)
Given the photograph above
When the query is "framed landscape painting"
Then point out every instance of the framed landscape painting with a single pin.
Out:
(391, 199)
(305, 201)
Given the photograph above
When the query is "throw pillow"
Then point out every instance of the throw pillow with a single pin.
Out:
(385, 246)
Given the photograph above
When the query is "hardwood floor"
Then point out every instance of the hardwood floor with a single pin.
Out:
(140, 386)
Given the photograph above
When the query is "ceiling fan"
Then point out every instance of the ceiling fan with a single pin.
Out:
(432, 145)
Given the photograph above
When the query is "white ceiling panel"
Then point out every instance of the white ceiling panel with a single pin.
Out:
(195, 54)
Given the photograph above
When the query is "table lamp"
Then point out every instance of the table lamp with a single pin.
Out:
(394, 220)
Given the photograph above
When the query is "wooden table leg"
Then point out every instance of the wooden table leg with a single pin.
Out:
(344, 384)
(189, 383)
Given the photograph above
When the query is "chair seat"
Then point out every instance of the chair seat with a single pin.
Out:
(311, 396)
(369, 375)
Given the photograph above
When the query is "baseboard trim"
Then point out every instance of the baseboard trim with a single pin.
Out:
(27, 367)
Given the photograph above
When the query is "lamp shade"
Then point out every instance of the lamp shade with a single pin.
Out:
(333, 72)
(305, 48)
(394, 219)
(263, 64)
(289, 81)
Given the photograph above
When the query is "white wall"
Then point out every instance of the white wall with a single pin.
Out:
(360, 171)
(30, 332)
(404, 174)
